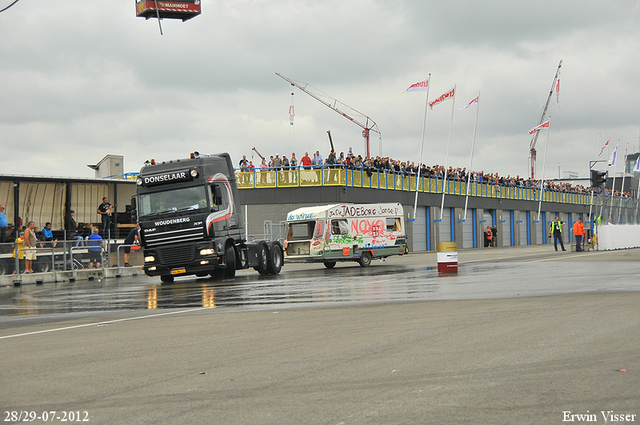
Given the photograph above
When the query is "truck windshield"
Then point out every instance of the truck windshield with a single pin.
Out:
(171, 201)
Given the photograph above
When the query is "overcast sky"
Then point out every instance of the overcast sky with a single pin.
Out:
(81, 79)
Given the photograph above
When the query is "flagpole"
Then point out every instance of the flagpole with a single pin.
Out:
(424, 126)
(591, 202)
(473, 143)
(604, 192)
(446, 164)
(613, 186)
(638, 196)
(624, 164)
(637, 168)
(591, 226)
(544, 164)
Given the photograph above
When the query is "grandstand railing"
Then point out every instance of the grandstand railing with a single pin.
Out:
(361, 178)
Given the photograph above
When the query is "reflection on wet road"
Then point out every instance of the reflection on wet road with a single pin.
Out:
(309, 285)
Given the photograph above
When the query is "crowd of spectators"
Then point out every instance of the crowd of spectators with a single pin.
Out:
(406, 168)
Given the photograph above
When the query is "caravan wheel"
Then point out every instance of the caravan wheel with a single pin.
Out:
(329, 264)
(365, 259)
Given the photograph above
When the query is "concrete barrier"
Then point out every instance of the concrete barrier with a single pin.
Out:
(623, 236)
(66, 276)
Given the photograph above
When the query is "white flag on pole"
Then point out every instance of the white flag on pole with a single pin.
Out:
(614, 155)
(536, 128)
(421, 86)
(442, 98)
(474, 102)
(636, 167)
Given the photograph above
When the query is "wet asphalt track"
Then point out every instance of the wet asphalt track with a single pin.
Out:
(519, 336)
(483, 274)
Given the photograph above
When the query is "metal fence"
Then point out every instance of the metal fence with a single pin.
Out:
(64, 256)
(360, 178)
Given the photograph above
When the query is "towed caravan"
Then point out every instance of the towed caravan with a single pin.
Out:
(345, 232)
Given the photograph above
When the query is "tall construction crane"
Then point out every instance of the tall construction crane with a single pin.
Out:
(368, 126)
(534, 139)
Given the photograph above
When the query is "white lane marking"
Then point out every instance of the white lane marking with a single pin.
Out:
(108, 322)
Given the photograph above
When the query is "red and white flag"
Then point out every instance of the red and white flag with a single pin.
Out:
(602, 150)
(448, 95)
(421, 86)
(474, 102)
(543, 125)
(558, 91)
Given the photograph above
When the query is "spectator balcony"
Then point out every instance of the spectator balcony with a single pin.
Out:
(361, 178)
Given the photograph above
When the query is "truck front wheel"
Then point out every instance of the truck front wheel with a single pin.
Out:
(230, 260)
(166, 278)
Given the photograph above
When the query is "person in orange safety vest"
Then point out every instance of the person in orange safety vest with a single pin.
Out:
(578, 231)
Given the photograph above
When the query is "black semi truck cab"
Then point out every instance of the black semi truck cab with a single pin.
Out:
(191, 222)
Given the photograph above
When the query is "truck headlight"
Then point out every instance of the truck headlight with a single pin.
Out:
(149, 259)
(207, 251)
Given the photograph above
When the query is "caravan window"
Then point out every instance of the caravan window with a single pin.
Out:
(300, 231)
(339, 227)
(394, 225)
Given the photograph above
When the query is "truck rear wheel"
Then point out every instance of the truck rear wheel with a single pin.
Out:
(4, 267)
(263, 258)
(230, 261)
(329, 264)
(365, 259)
(275, 259)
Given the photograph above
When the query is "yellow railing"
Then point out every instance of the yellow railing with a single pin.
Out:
(326, 176)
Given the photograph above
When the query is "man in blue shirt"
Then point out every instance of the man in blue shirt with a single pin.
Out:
(3, 225)
(95, 248)
(47, 234)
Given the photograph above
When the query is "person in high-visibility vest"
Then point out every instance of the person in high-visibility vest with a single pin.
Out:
(578, 231)
(556, 231)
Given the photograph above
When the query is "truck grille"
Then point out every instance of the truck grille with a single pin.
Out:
(173, 235)
(176, 254)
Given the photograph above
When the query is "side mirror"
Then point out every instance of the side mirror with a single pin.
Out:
(216, 193)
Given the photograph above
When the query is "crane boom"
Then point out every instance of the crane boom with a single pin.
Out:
(534, 139)
(368, 126)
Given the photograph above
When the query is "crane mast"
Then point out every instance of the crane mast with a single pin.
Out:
(367, 127)
(534, 139)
